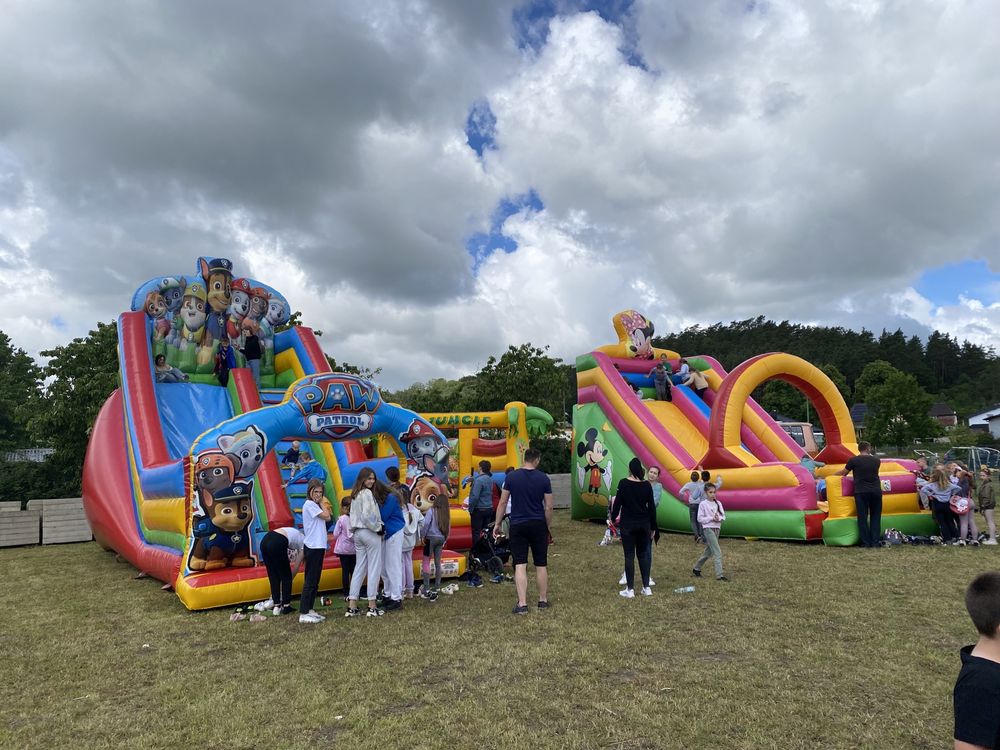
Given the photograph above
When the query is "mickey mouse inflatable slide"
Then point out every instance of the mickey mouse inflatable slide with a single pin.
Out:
(769, 483)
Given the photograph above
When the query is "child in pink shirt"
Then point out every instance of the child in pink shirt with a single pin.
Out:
(344, 544)
(711, 514)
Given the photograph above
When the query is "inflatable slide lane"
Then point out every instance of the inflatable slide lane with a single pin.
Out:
(769, 486)
(172, 437)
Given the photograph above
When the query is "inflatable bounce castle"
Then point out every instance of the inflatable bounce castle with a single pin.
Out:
(183, 479)
(770, 485)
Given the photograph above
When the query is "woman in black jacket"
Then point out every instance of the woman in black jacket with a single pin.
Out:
(635, 512)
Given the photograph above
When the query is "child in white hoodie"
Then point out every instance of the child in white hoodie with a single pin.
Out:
(711, 514)
(411, 535)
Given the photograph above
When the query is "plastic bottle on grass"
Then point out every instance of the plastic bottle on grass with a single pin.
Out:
(684, 590)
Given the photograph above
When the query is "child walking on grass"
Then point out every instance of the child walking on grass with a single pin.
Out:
(711, 514)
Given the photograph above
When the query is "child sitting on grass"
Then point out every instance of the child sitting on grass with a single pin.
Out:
(977, 690)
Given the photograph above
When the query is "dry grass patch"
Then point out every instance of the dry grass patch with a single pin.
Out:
(808, 647)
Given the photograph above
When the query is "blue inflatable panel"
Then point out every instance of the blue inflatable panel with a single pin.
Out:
(187, 410)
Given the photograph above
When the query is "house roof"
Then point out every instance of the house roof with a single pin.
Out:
(983, 416)
(941, 409)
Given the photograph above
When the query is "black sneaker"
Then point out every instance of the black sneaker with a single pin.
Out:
(430, 596)
(543, 605)
(722, 578)
(520, 610)
(391, 604)
(696, 573)
(352, 612)
(376, 612)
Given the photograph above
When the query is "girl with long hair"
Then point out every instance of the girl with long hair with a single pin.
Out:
(436, 526)
(367, 498)
(939, 491)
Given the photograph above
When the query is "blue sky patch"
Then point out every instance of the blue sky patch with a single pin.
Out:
(481, 127)
(531, 23)
(969, 278)
(482, 245)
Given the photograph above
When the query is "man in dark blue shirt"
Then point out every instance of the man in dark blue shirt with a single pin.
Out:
(530, 494)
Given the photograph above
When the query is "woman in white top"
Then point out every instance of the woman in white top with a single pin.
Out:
(316, 511)
(282, 550)
(367, 498)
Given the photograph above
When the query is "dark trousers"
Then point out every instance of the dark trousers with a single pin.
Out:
(314, 567)
(481, 518)
(347, 563)
(869, 509)
(945, 520)
(274, 550)
(636, 542)
(223, 376)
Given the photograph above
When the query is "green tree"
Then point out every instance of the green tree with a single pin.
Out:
(873, 376)
(898, 411)
(524, 373)
(82, 374)
(779, 398)
(19, 382)
(437, 395)
(295, 319)
(360, 370)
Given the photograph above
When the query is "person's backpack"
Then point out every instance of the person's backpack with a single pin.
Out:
(960, 505)
(894, 536)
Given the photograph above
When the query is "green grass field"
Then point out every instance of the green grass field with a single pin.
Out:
(808, 647)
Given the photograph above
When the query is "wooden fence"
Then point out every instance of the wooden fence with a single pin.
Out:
(51, 521)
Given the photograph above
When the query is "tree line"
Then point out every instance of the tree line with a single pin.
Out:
(897, 376)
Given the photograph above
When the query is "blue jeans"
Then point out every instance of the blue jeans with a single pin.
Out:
(254, 365)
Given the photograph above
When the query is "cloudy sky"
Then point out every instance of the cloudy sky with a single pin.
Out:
(429, 182)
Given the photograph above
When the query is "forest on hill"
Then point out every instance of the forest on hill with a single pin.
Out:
(962, 374)
(898, 377)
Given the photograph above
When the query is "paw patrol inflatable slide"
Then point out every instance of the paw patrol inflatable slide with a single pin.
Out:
(182, 477)
(770, 486)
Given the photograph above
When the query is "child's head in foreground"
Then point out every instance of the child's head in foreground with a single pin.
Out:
(982, 600)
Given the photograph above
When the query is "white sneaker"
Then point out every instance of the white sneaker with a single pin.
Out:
(310, 618)
(991, 542)
(627, 593)
(314, 613)
(652, 582)
(261, 606)
(646, 591)
(623, 581)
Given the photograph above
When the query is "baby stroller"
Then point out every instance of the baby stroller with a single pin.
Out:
(488, 554)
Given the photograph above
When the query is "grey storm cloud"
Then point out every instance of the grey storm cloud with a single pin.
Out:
(131, 118)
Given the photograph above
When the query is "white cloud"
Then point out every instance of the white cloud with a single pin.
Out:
(796, 161)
